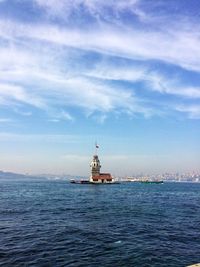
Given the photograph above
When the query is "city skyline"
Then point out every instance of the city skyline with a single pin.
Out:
(124, 74)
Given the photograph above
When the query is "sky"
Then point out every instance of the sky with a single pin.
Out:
(124, 74)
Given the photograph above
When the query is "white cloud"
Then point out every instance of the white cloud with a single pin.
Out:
(96, 8)
(22, 112)
(193, 111)
(155, 81)
(36, 69)
(58, 115)
(44, 138)
(172, 86)
(49, 88)
(107, 71)
(128, 43)
(4, 120)
(10, 93)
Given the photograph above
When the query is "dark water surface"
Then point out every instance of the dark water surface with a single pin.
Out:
(55, 223)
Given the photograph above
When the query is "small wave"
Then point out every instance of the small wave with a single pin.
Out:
(118, 242)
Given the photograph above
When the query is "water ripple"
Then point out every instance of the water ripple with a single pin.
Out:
(48, 223)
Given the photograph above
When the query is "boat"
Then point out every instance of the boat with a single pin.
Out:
(152, 182)
(72, 181)
(132, 180)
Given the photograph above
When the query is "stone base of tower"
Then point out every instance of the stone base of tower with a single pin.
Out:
(105, 178)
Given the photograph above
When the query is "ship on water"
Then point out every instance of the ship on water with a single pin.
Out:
(152, 181)
(145, 180)
(96, 176)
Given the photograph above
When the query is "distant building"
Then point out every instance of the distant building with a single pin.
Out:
(96, 176)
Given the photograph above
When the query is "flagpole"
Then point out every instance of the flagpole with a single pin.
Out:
(96, 146)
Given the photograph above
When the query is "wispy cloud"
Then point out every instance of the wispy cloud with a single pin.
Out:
(192, 111)
(12, 93)
(22, 112)
(108, 71)
(95, 8)
(49, 89)
(41, 63)
(47, 138)
(171, 86)
(128, 43)
(5, 120)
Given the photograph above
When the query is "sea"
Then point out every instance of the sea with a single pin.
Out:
(55, 223)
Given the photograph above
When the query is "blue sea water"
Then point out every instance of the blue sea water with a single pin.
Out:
(55, 223)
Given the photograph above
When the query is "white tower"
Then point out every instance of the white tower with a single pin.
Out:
(95, 166)
(96, 176)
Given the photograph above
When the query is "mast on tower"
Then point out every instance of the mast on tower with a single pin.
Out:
(96, 147)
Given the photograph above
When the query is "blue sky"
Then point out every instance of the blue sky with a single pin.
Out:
(124, 73)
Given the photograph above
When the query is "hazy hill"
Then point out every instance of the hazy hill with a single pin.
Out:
(17, 176)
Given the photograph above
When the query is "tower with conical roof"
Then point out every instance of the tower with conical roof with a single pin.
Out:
(96, 176)
(95, 166)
